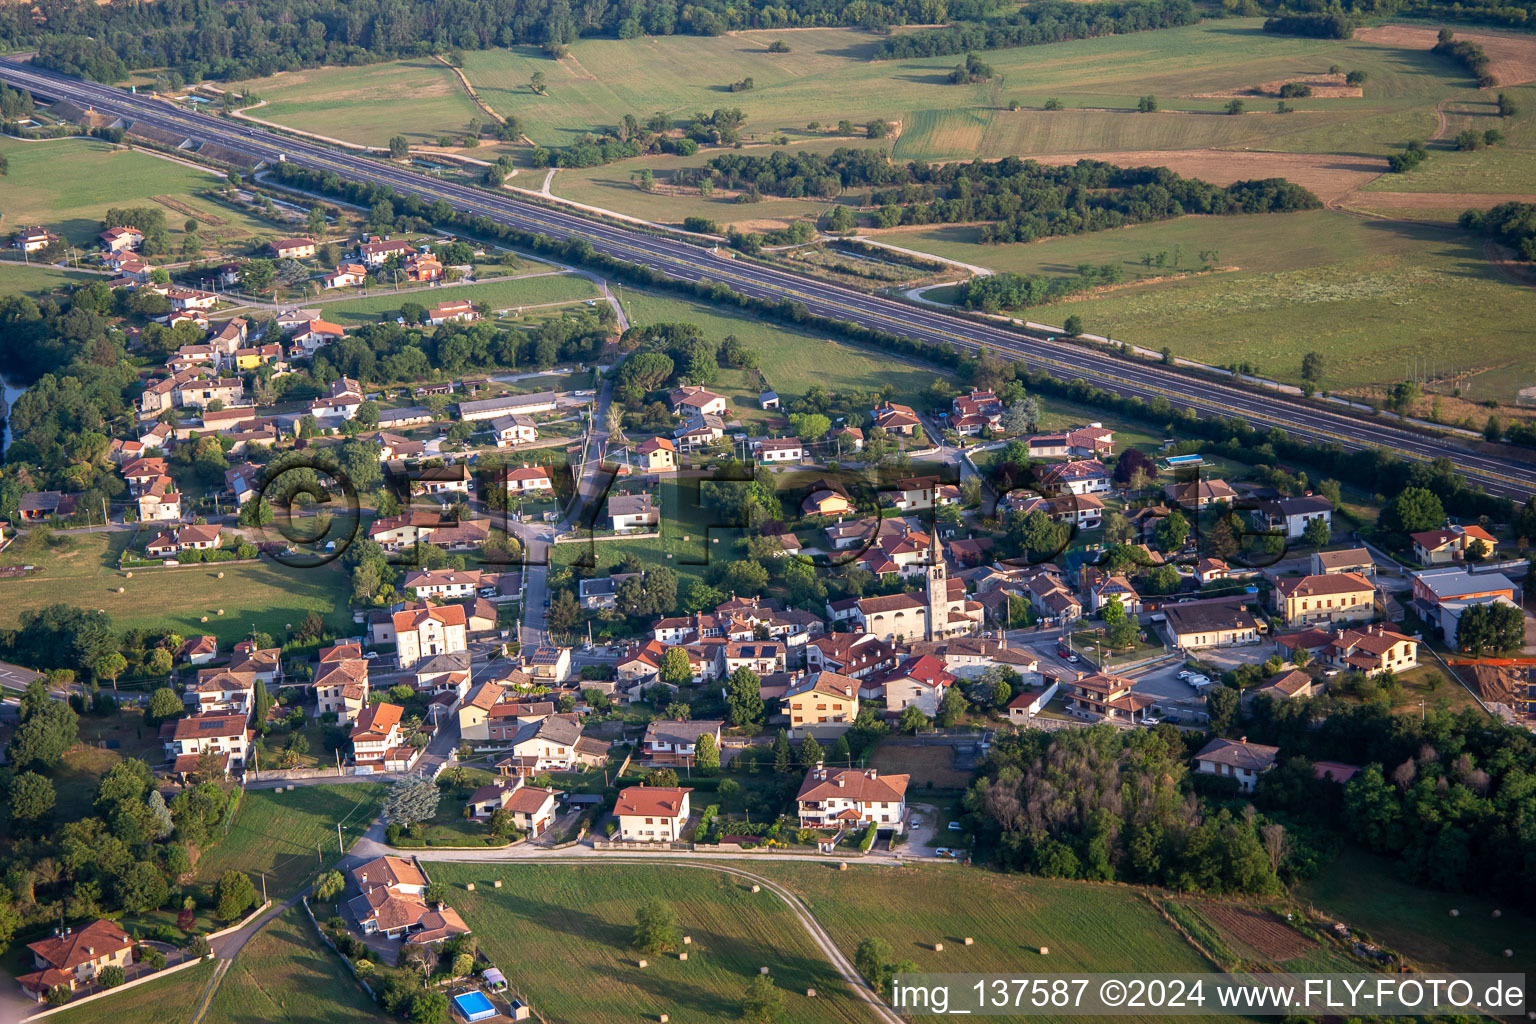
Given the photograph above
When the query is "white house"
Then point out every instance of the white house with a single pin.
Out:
(652, 814)
(853, 799)
(1236, 759)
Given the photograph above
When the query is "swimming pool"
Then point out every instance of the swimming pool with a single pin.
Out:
(474, 1006)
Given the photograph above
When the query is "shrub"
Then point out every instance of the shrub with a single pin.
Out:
(111, 976)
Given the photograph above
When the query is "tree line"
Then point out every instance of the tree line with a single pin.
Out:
(1511, 224)
(1040, 24)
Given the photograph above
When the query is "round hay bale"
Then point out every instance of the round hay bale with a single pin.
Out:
(687, 940)
(1509, 952)
(642, 963)
(810, 993)
(1455, 912)
(970, 941)
(1498, 913)
(127, 575)
(203, 619)
(121, 589)
(496, 884)
(682, 956)
(221, 611)
(843, 866)
(469, 886)
(757, 888)
(762, 970)
(662, 1018)
(220, 576)
(1045, 950)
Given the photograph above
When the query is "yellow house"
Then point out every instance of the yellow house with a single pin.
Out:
(1341, 597)
(659, 453)
(822, 704)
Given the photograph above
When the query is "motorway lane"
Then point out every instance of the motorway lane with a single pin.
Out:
(685, 261)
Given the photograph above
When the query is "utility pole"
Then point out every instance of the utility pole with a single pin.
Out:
(339, 847)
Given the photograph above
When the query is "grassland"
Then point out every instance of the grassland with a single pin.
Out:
(527, 291)
(1287, 284)
(262, 595)
(98, 176)
(171, 1000)
(1370, 895)
(289, 836)
(35, 280)
(548, 925)
(287, 974)
(930, 766)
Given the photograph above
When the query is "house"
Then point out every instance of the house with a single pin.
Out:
(852, 799)
(254, 356)
(1440, 596)
(850, 654)
(444, 673)
(1202, 493)
(692, 400)
(199, 394)
(423, 267)
(1087, 476)
(632, 511)
(242, 482)
(1051, 598)
(1341, 597)
(1100, 588)
(439, 480)
(423, 630)
(120, 238)
(187, 538)
(919, 682)
(444, 583)
(823, 703)
(554, 743)
(74, 956)
(896, 419)
(528, 479)
(768, 399)
(492, 408)
(532, 808)
(919, 492)
(1090, 442)
(1236, 759)
(848, 439)
(264, 663)
(310, 336)
(396, 533)
(215, 732)
(347, 275)
(1211, 570)
(38, 506)
(603, 591)
(511, 430)
(406, 416)
(1355, 560)
(199, 650)
(159, 502)
(334, 408)
(761, 656)
(1214, 623)
(651, 814)
(1372, 650)
(1085, 511)
(1106, 696)
(980, 410)
(672, 741)
(699, 430)
(1290, 683)
(1290, 517)
(548, 664)
(33, 239)
(222, 691)
(377, 742)
(452, 311)
(341, 685)
(826, 502)
(779, 450)
(292, 248)
(1443, 547)
(375, 253)
(659, 453)
(392, 902)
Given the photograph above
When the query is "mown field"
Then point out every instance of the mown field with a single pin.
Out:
(1367, 293)
(289, 836)
(169, 1000)
(528, 291)
(261, 595)
(550, 925)
(287, 974)
(68, 184)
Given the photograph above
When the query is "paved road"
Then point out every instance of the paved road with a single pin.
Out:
(682, 260)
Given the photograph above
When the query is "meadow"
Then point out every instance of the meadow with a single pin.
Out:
(100, 175)
(287, 974)
(170, 1000)
(549, 924)
(289, 836)
(37, 280)
(1367, 293)
(536, 290)
(260, 595)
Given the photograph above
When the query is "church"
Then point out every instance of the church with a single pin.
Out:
(937, 612)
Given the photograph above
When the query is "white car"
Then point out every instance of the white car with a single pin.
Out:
(1186, 675)
(943, 851)
(1151, 720)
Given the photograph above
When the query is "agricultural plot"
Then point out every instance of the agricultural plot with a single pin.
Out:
(34, 280)
(549, 924)
(289, 836)
(261, 595)
(499, 295)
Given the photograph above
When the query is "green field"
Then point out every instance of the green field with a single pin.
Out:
(262, 595)
(1370, 895)
(100, 176)
(287, 974)
(548, 925)
(420, 99)
(171, 1000)
(1505, 168)
(1287, 284)
(35, 280)
(289, 836)
(527, 291)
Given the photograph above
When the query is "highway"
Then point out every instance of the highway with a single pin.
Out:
(1504, 476)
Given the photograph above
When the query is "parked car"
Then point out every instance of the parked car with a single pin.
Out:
(1151, 720)
(943, 851)
(955, 826)
(1186, 675)
(371, 655)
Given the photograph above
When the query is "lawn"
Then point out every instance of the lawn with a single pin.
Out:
(287, 974)
(549, 924)
(103, 743)
(289, 836)
(171, 1000)
(102, 176)
(1288, 284)
(262, 595)
(36, 280)
(931, 767)
(499, 295)
(1370, 895)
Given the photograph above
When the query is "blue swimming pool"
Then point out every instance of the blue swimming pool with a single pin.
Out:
(474, 1006)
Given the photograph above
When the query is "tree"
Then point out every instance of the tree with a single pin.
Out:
(655, 927)
(810, 752)
(564, 612)
(1221, 704)
(257, 276)
(1234, 106)
(1171, 532)
(31, 796)
(706, 756)
(1507, 105)
(537, 83)
(110, 666)
(160, 816)
(952, 706)
(1413, 510)
(783, 754)
(330, 885)
(1318, 533)
(111, 976)
(164, 705)
(911, 720)
(48, 728)
(1146, 105)
(412, 799)
(763, 1002)
(743, 697)
(677, 710)
(1073, 325)
(399, 147)
(429, 1007)
(233, 895)
(873, 962)
(1485, 628)
(142, 888)
(675, 667)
